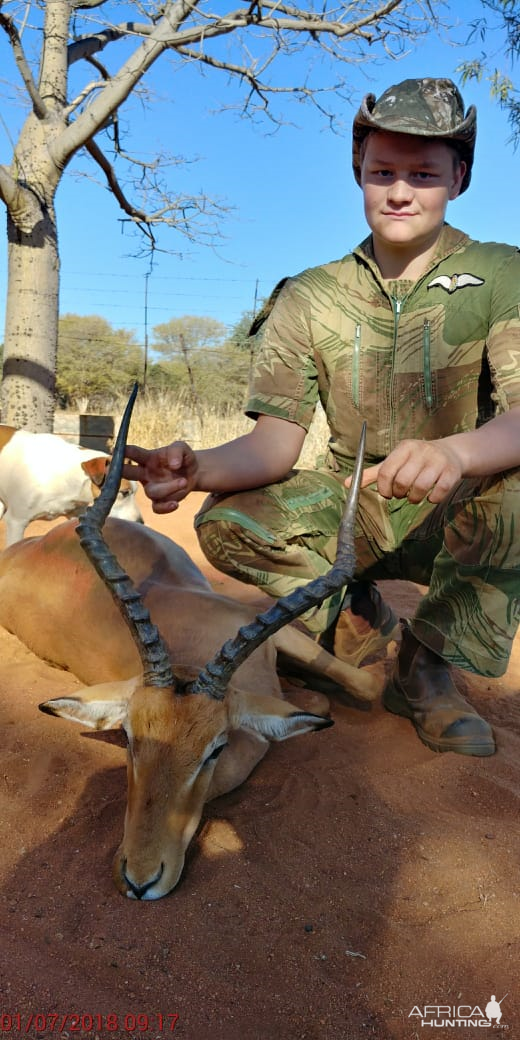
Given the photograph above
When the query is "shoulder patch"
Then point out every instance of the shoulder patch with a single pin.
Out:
(456, 281)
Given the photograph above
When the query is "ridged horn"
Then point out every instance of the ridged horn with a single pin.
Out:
(152, 650)
(214, 678)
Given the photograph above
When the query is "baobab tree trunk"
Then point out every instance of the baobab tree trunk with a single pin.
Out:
(31, 323)
(28, 388)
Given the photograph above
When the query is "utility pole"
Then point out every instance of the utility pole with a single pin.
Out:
(145, 368)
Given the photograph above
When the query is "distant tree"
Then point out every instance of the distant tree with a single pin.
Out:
(188, 333)
(190, 345)
(203, 362)
(60, 55)
(160, 377)
(242, 341)
(500, 17)
(223, 377)
(239, 335)
(95, 361)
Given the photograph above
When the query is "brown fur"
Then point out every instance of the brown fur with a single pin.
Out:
(53, 600)
(6, 432)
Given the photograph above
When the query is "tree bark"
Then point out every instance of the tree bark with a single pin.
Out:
(31, 330)
(31, 323)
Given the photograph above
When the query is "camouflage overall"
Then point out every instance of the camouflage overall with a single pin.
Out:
(416, 360)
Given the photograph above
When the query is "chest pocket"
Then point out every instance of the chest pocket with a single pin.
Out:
(350, 373)
(337, 355)
(445, 346)
(421, 354)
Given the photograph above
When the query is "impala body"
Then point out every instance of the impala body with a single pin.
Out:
(190, 675)
(182, 749)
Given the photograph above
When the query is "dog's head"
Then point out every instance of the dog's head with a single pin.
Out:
(125, 506)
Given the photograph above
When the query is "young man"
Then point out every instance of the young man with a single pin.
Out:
(417, 332)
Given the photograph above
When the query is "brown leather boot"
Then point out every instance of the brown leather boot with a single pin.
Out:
(364, 626)
(421, 689)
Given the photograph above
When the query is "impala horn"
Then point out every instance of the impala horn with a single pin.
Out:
(152, 650)
(214, 678)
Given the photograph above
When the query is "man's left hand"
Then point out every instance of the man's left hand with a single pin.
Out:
(416, 470)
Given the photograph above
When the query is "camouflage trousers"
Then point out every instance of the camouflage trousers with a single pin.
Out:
(466, 550)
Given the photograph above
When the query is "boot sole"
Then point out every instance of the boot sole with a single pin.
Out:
(396, 703)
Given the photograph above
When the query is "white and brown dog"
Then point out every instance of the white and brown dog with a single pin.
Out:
(43, 477)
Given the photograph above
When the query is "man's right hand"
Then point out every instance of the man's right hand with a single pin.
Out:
(167, 474)
(262, 456)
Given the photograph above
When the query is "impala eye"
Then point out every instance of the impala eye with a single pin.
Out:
(214, 754)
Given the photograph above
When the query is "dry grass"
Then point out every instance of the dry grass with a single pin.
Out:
(162, 418)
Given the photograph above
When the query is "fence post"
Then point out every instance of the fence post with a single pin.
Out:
(90, 431)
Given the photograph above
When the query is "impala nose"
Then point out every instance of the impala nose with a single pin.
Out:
(138, 891)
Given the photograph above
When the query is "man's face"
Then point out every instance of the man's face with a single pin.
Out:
(407, 183)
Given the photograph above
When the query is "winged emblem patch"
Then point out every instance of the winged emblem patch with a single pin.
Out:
(456, 281)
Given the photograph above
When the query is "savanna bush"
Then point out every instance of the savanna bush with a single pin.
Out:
(161, 417)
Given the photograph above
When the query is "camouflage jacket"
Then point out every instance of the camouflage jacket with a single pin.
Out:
(418, 359)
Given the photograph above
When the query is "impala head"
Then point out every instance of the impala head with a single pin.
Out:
(173, 747)
(182, 730)
(174, 743)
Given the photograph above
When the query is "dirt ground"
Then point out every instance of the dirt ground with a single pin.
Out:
(357, 885)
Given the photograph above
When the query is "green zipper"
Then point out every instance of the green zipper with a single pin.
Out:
(427, 367)
(396, 306)
(355, 366)
(427, 364)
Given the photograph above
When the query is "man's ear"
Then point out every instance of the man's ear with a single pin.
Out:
(459, 174)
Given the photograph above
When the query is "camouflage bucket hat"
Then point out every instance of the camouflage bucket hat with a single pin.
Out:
(425, 107)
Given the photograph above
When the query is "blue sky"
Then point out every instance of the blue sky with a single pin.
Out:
(293, 197)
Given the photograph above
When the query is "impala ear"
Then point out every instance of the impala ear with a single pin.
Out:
(98, 707)
(275, 719)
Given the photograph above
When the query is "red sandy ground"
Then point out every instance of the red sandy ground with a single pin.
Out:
(355, 878)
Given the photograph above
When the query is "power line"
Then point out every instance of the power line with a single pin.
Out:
(77, 288)
(170, 278)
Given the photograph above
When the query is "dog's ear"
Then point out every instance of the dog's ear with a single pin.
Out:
(96, 469)
(6, 432)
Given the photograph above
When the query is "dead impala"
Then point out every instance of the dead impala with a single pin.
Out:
(195, 729)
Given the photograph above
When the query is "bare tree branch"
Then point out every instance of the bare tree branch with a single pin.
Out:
(136, 214)
(22, 64)
(260, 89)
(21, 202)
(121, 85)
(298, 21)
(79, 5)
(168, 34)
(88, 89)
(8, 186)
(86, 46)
(175, 212)
(247, 73)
